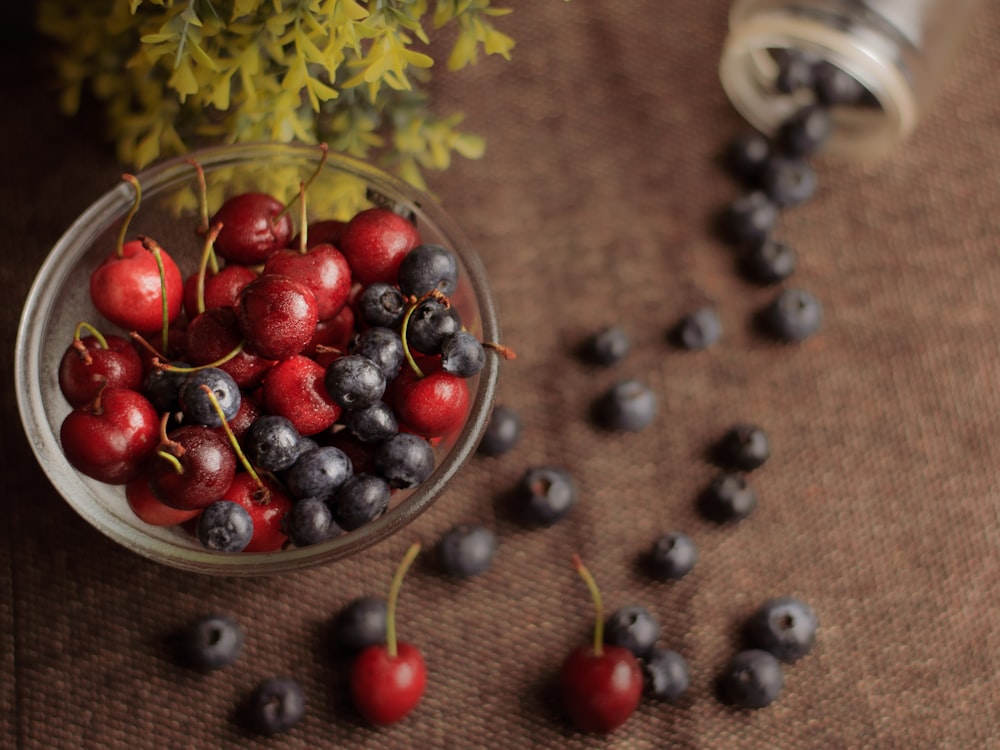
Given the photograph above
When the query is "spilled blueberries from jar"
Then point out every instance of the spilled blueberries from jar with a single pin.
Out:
(210, 642)
(503, 430)
(729, 497)
(785, 626)
(276, 705)
(466, 550)
(672, 556)
(608, 346)
(768, 262)
(697, 330)
(666, 674)
(628, 406)
(544, 495)
(361, 623)
(752, 679)
(792, 316)
(743, 447)
(633, 627)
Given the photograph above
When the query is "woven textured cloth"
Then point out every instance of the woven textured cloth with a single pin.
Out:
(592, 206)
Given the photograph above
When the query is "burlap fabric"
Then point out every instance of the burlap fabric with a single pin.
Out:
(591, 207)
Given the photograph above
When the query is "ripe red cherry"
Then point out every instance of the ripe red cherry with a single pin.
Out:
(433, 405)
(254, 225)
(375, 242)
(388, 680)
(335, 333)
(110, 437)
(294, 388)
(213, 336)
(322, 269)
(220, 289)
(601, 685)
(127, 290)
(201, 469)
(277, 315)
(267, 504)
(322, 232)
(149, 508)
(93, 362)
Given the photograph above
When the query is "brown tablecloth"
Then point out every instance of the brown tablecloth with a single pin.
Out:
(592, 207)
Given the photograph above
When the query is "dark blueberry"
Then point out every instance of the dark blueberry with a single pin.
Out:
(276, 705)
(210, 642)
(462, 354)
(382, 346)
(606, 347)
(768, 262)
(666, 674)
(197, 405)
(404, 460)
(796, 72)
(361, 499)
(382, 304)
(354, 381)
(428, 267)
(360, 624)
(633, 627)
(545, 495)
(429, 323)
(746, 155)
(309, 522)
(372, 424)
(804, 132)
(793, 315)
(729, 497)
(836, 87)
(785, 626)
(628, 405)
(752, 679)
(272, 442)
(162, 387)
(225, 526)
(466, 550)
(743, 447)
(318, 472)
(698, 330)
(788, 181)
(749, 218)
(673, 556)
(502, 431)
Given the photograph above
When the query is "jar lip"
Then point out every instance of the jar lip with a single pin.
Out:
(747, 69)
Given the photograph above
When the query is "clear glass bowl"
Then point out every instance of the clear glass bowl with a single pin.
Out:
(59, 300)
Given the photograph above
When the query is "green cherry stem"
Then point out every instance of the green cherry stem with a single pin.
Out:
(120, 242)
(303, 220)
(137, 337)
(78, 344)
(202, 196)
(264, 495)
(220, 361)
(207, 256)
(324, 152)
(153, 246)
(397, 582)
(414, 302)
(595, 594)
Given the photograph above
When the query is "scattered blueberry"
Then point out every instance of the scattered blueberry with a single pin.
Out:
(836, 87)
(792, 316)
(749, 218)
(795, 73)
(354, 381)
(788, 181)
(360, 624)
(382, 304)
(672, 556)
(608, 346)
(196, 404)
(310, 521)
(633, 627)
(502, 431)
(666, 674)
(373, 423)
(225, 526)
(729, 497)
(466, 550)
(785, 626)
(805, 132)
(698, 330)
(361, 499)
(427, 268)
(746, 155)
(210, 642)
(276, 705)
(628, 405)
(318, 472)
(462, 354)
(404, 460)
(752, 679)
(272, 442)
(743, 447)
(768, 262)
(545, 495)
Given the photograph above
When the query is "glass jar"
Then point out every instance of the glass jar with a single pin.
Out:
(876, 63)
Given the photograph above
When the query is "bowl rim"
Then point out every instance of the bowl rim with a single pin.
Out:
(75, 488)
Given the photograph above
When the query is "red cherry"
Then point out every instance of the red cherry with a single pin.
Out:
(202, 468)
(433, 405)
(149, 508)
(93, 362)
(361, 455)
(375, 242)
(388, 681)
(323, 270)
(220, 289)
(601, 685)
(335, 333)
(323, 232)
(110, 437)
(127, 290)
(267, 505)
(254, 225)
(213, 336)
(246, 415)
(277, 315)
(294, 388)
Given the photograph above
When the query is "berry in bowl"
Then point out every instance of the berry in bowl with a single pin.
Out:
(257, 358)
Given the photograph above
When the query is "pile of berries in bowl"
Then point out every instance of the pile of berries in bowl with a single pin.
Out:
(257, 358)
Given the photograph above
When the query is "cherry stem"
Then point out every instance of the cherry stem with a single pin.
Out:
(324, 151)
(595, 594)
(153, 246)
(96, 407)
(202, 197)
(221, 361)
(303, 221)
(504, 351)
(137, 337)
(207, 256)
(170, 450)
(397, 582)
(265, 494)
(81, 347)
(120, 242)
(414, 302)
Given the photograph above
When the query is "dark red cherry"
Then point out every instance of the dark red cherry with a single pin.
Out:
(277, 315)
(149, 508)
(202, 470)
(220, 289)
(433, 405)
(214, 335)
(375, 241)
(322, 269)
(254, 225)
(91, 363)
(322, 232)
(267, 504)
(126, 288)
(294, 388)
(335, 333)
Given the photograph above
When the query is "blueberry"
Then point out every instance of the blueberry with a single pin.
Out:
(361, 499)
(606, 347)
(752, 679)
(768, 262)
(309, 522)
(462, 354)
(666, 674)
(698, 330)
(318, 472)
(804, 132)
(729, 497)
(427, 268)
(382, 304)
(672, 556)
(788, 181)
(545, 495)
(628, 405)
(372, 424)
(750, 218)
(276, 705)
(272, 442)
(795, 73)
(354, 381)
(836, 87)
(360, 624)
(785, 626)
(384, 347)
(502, 433)
(197, 405)
(162, 387)
(746, 155)
(792, 316)
(743, 447)
(466, 550)
(211, 642)
(429, 323)
(633, 627)
(225, 526)
(404, 460)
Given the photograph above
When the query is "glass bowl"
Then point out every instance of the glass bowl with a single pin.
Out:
(169, 211)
